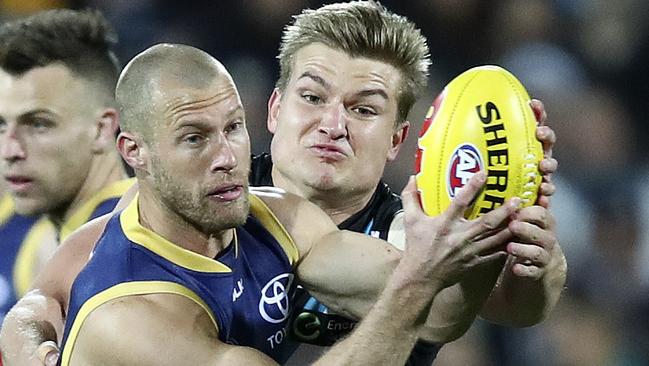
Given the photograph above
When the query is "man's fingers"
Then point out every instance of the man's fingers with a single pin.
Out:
(493, 219)
(48, 353)
(489, 258)
(543, 201)
(465, 197)
(529, 254)
(547, 189)
(52, 358)
(539, 111)
(536, 215)
(529, 271)
(491, 242)
(548, 166)
(410, 197)
(547, 138)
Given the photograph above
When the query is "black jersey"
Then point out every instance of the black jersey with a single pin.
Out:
(314, 323)
(374, 219)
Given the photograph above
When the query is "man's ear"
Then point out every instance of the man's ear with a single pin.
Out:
(105, 128)
(398, 137)
(273, 110)
(132, 150)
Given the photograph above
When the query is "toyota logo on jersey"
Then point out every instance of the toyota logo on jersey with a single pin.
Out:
(464, 163)
(274, 302)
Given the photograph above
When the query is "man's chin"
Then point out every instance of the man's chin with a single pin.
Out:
(224, 223)
(324, 182)
(28, 207)
(232, 216)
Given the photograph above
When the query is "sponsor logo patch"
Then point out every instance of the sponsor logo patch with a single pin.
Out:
(274, 302)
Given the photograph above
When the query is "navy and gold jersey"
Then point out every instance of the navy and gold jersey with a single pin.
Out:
(20, 238)
(101, 203)
(246, 289)
(312, 322)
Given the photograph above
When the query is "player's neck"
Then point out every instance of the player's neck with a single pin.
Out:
(157, 217)
(105, 169)
(339, 204)
(341, 207)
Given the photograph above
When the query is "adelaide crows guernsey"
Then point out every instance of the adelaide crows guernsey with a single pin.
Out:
(20, 238)
(101, 203)
(312, 322)
(246, 289)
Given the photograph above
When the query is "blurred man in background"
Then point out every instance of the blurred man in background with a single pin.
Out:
(24, 242)
(57, 117)
(57, 126)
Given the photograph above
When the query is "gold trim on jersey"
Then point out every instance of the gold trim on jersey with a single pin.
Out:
(130, 222)
(24, 272)
(6, 208)
(82, 214)
(270, 222)
(127, 289)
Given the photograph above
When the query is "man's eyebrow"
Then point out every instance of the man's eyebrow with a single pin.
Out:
(370, 92)
(315, 78)
(38, 111)
(235, 111)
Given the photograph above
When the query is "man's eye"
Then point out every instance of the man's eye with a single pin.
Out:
(193, 139)
(364, 111)
(40, 124)
(234, 126)
(311, 98)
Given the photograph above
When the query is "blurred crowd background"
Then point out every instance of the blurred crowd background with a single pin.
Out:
(587, 60)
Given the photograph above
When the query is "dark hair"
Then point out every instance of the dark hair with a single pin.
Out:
(81, 40)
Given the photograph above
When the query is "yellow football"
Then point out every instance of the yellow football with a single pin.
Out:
(482, 120)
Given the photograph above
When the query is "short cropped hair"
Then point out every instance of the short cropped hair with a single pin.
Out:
(81, 40)
(361, 29)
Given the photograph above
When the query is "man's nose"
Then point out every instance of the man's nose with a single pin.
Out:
(11, 146)
(334, 122)
(225, 158)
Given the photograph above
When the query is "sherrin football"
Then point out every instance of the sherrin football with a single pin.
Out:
(482, 120)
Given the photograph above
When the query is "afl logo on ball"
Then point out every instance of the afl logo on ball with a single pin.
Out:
(464, 163)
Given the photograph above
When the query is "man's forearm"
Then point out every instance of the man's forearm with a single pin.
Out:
(455, 308)
(33, 320)
(388, 333)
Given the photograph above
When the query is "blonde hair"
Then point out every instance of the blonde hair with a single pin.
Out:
(361, 29)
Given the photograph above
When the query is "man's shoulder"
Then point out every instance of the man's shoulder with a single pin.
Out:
(107, 332)
(376, 217)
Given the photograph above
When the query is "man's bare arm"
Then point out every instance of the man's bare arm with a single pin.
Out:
(39, 316)
(135, 330)
(35, 319)
(346, 271)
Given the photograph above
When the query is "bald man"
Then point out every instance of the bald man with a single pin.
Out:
(198, 254)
